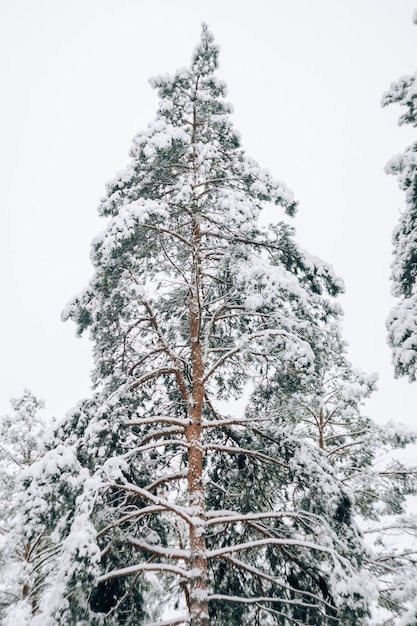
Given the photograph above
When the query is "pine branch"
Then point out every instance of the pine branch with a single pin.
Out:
(134, 516)
(145, 567)
(182, 512)
(228, 517)
(259, 599)
(172, 621)
(167, 553)
(165, 479)
(248, 338)
(270, 541)
(260, 456)
(155, 420)
(163, 371)
(151, 446)
(157, 434)
(251, 569)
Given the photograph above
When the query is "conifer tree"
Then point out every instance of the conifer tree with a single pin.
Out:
(402, 321)
(326, 408)
(167, 507)
(22, 563)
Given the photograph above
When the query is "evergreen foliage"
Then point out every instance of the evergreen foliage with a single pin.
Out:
(402, 321)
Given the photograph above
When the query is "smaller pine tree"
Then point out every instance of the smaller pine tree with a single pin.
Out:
(325, 407)
(23, 564)
(402, 321)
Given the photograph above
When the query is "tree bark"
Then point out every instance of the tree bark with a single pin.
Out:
(198, 559)
(321, 430)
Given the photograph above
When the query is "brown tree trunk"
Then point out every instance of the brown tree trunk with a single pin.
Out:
(198, 559)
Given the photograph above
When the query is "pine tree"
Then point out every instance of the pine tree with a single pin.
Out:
(402, 321)
(168, 507)
(326, 408)
(22, 563)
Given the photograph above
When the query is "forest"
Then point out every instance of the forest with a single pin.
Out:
(223, 470)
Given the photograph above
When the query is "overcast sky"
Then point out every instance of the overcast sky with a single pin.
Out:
(305, 78)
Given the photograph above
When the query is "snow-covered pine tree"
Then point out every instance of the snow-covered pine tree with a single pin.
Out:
(22, 563)
(167, 507)
(326, 407)
(402, 321)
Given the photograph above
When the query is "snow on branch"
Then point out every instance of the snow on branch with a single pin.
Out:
(155, 420)
(250, 453)
(269, 541)
(179, 620)
(243, 347)
(169, 553)
(258, 599)
(162, 371)
(182, 512)
(273, 579)
(146, 567)
(135, 515)
(157, 444)
(228, 517)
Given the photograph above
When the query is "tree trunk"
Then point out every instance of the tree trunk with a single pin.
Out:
(321, 430)
(198, 558)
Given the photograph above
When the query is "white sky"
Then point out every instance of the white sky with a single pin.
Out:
(305, 78)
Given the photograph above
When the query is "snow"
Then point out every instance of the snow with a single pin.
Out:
(271, 283)
(179, 619)
(124, 225)
(51, 464)
(19, 614)
(159, 135)
(199, 594)
(115, 468)
(402, 327)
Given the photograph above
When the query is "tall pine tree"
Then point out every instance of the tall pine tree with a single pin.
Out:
(167, 507)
